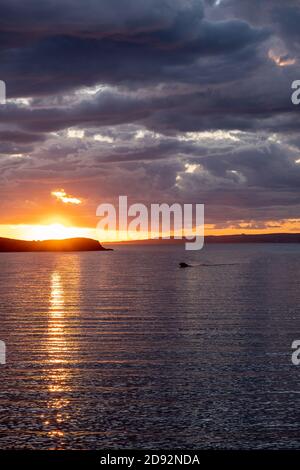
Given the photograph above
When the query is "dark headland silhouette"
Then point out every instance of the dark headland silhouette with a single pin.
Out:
(68, 244)
(243, 238)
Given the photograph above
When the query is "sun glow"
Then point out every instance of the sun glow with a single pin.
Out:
(53, 231)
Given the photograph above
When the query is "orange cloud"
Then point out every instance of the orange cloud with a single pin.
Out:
(62, 196)
(281, 60)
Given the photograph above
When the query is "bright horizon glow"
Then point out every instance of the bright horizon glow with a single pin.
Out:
(59, 231)
(53, 231)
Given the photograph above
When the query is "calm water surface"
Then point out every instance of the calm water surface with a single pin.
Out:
(124, 350)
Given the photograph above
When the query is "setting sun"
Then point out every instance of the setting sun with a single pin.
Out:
(53, 231)
(57, 231)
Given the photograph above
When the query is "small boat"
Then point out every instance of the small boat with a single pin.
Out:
(185, 265)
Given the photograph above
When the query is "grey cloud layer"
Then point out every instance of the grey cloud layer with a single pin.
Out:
(163, 68)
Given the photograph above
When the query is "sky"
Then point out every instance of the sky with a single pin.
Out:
(183, 101)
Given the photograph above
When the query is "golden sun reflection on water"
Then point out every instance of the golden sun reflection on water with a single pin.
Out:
(57, 338)
(57, 294)
(59, 350)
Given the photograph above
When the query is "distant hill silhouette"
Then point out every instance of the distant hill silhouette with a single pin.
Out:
(260, 238)
(69, 244)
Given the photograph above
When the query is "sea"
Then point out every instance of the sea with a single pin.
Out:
(125, 350)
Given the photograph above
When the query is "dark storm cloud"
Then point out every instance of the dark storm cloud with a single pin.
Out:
(287, 17)
(10, 148)
(93, 17)
(15, 136)
(48, 47)
(164, 149)
(282, 17)
(270, 166)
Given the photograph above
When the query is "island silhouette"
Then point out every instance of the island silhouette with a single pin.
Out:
(68, 244)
